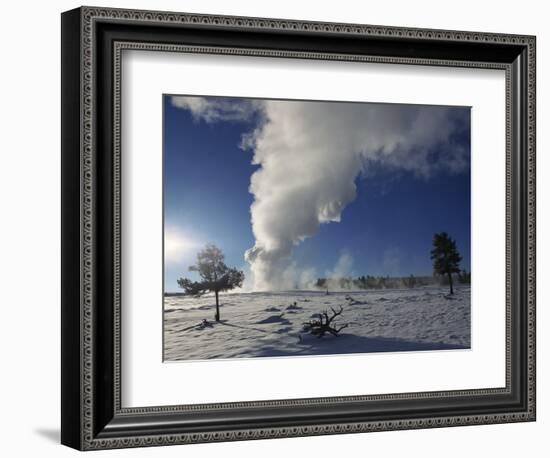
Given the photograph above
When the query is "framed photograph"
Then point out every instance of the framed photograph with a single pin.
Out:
(276, 228)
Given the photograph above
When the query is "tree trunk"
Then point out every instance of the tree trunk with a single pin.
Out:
(217, 307)
(450, 282)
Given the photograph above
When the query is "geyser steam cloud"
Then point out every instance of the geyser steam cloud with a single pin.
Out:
(310, 155)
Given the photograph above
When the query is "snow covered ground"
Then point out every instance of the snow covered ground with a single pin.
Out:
(270, 324)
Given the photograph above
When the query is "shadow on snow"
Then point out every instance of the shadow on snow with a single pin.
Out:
(349, 343)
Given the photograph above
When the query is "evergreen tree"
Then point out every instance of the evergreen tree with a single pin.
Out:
(321, 283)
(464, 277)
(445, 256)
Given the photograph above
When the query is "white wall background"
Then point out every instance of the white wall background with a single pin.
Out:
(30, 240)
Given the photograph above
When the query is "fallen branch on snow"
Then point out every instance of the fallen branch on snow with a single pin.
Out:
(324, 324)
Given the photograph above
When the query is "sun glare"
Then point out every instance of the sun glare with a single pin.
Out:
(177, 244)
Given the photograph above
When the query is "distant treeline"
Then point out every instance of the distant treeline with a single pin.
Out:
(387, 282)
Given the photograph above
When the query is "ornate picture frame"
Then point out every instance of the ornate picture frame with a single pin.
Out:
(93, 416)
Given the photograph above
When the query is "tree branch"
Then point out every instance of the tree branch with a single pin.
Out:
(320, 327)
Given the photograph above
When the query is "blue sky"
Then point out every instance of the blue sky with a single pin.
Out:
(409, 185)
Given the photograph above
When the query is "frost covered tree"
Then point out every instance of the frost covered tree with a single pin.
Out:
(215, 275)
(445, 256)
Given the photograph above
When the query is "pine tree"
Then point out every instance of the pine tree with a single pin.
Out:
(445, 256)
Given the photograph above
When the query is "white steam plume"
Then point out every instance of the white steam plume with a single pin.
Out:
(310, 154)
